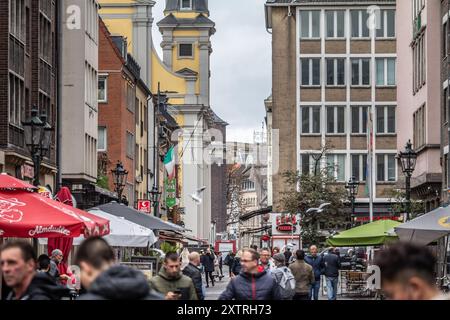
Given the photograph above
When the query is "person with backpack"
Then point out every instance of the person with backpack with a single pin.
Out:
(304, 276)
(283, 277)
(229, 259)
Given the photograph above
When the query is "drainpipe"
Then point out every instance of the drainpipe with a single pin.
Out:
(59, 29)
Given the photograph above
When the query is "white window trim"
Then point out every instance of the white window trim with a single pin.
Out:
(185, 8)
(310, 23)
(360, 27)
(105, 140)
(385, 119)
(386, 76)
(336, 165)
(361, 166)
(360, 119)
(335, 72)
(311, 72)
(104, 77)
(335, 25)
(386, 168)
(186, 57)
(384, 13)
(360, 71)
(311, 117)
(335, 120)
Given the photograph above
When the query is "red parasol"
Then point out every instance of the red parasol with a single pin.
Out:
(10, 183)
(29, 215)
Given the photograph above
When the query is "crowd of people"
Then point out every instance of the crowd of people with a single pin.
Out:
(407, 274)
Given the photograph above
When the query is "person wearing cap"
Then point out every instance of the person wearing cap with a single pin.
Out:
(55, 260)
(283, 276)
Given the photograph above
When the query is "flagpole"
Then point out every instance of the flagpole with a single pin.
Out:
(370, 175)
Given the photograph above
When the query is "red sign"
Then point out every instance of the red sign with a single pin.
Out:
(144, 206)
(286, 228)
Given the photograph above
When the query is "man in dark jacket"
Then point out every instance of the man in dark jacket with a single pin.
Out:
(207, 261)
(332, 264)
(316, 262)
(287, 255)
(18, 265)
(104, 280)
(192, 271)
(229, 259)
(251, 284)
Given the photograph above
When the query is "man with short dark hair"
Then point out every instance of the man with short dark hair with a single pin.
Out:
(18, 265)
(104, 279)
(332, 264)
(407, 273)
(251, 284)
(171, 282)
(304, 276)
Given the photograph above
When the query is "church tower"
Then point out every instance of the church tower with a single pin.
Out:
(186, 30)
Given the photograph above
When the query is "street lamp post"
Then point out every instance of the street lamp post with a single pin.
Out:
(38, 138)
(120, 179)
(352, 188)
(408, 160)
(155, 197)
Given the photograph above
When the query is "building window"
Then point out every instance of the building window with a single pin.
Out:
(445, 39)
(445, 104)
(385, 71)
(359, 20)
(335, 72)
(248, 185)
(385, 167)
(359, 119)
(360, 72)
(385, 119)
(17, 19)
(310, 24)
(130, 145)
(185, 50)
(186, 4)
(335, 119)
(310, 72)
(16, 99)
(102, 139)
(419, 127)
(102, 89)
(310, 164)
(387, 24)
(335, 24)
(336, 166)
(419, 63)
(418, 6)
(131, 94)
(359, 167)
(310, 119)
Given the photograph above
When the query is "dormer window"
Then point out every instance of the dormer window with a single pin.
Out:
(186, 4)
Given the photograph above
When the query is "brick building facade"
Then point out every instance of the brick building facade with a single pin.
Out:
(119, 75)
(28, 75)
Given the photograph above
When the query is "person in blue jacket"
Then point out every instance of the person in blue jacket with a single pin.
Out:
(317, 263)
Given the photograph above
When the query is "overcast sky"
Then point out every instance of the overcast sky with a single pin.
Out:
(240, 64)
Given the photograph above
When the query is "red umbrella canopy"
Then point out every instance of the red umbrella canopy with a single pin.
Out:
(10, 183)
(30, 215)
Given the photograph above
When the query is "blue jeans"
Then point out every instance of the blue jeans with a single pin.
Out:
(314, 291)
(332, 284)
